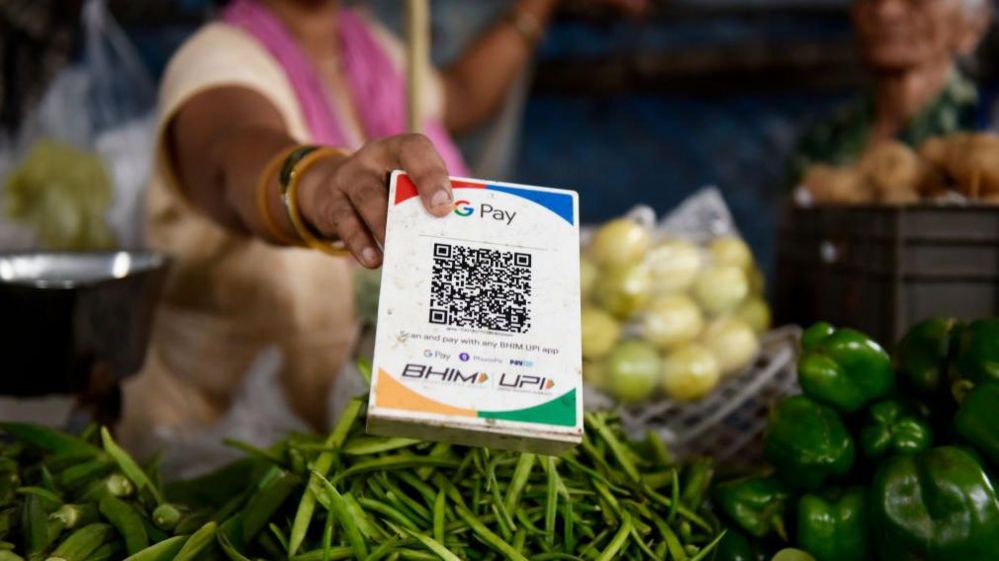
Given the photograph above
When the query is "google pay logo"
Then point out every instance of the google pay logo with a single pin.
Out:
(462, 208)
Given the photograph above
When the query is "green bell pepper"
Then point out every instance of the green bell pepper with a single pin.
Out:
(807, 443)
(976, 352)
(843, 368)
(895, 427)
(977, 420)
(755, 504)
(833, 527)
(814, 335)
(937, 505)
(792, 554)
(736, 546)
(921, 357)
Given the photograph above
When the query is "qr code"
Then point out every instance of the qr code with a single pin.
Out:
(481, 288)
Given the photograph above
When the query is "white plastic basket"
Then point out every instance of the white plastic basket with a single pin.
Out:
(728, 424)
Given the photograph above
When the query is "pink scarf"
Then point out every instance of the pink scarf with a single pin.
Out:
(376, 86)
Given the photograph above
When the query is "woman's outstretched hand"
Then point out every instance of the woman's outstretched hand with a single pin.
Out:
(347, 198)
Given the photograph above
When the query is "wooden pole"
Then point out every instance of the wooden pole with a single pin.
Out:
(417, 60)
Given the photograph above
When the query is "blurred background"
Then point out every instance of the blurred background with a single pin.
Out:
(698, 92)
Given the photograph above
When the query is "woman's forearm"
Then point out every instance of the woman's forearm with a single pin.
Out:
(477, 83)
(224, 140)
(246, 153)
(220, 163)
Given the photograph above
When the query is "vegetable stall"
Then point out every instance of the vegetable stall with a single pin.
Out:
(880, 457)
(855, 451)
(353, 496)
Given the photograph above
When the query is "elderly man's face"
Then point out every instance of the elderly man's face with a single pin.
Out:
(900, 34)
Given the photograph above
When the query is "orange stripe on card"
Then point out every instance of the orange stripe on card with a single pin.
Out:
(392, 394)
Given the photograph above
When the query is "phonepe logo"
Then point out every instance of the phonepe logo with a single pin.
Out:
(447, 374)
(464, 208)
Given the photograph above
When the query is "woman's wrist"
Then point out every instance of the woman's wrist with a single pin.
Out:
(269, 213)
(313, 194)
(306, 163)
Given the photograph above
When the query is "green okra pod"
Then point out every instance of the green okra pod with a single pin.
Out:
(266, 502)
(618, 541)
(231, 552)
(51, 440)
(127, 521)
(307, 505)
(128, 467)
(34, 526)
(339, 510)
(487, 536)
(166, 550)
(82, 543)
(110, 551)
(198, 543)
(440, 512)
(166, 516)
(78, 475)
(75, 515)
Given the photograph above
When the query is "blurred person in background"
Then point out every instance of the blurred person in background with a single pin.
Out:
(911, 48)
(491, 148)
(276, 89)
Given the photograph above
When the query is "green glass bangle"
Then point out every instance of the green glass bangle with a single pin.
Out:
(290, 161)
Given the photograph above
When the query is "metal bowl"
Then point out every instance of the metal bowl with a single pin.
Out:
(68, 317)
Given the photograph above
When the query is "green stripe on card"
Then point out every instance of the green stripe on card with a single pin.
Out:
(560, 411)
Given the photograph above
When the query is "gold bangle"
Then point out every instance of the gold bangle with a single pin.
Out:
(289, 194)
(264, 209)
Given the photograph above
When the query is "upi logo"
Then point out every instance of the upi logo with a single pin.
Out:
(528, 382)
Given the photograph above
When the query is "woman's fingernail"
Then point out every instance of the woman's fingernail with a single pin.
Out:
(440, 198)
(369, 256)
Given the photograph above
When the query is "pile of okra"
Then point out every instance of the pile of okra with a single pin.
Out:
(353, 496)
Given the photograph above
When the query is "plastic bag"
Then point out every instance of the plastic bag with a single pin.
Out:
(675, 351)
(700, 218)
(101, 108)
(259, 415)
(670, 307)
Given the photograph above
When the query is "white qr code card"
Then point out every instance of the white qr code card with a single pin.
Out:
(478, 337)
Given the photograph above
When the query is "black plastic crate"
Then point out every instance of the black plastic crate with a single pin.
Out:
(881, 269)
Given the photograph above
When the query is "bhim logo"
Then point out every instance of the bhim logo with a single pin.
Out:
(461, 208)
(446, 374)
(522, 381)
